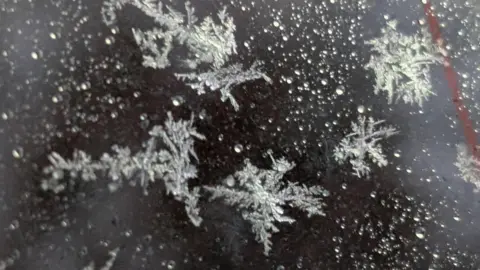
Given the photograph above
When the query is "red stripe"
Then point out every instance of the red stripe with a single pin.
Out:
(451, 76)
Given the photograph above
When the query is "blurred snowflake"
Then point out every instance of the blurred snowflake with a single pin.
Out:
(468, 166)
(166, 156)
(261, 197)
(402, 64)
(362, 143)
(223, 80)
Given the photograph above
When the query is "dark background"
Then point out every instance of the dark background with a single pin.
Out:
(371, 223)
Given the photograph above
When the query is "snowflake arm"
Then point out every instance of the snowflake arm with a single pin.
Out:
(166, 155)
(223, 80)
(468, 166)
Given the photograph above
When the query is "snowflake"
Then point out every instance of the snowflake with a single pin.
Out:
(206, 41)
(363, 143)
(261, 197)
(468, 165)
(166, 156)
(402, 64)
(223, 80)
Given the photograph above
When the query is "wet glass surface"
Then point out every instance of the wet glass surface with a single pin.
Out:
(145, 134)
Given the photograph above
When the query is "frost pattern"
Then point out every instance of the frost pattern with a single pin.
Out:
(261, 197)
(402, 63)
(223, 80)
(468, 166)
(207, 41)
(363, 143)
(166, 156)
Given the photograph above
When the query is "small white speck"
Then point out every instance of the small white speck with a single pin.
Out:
(53, 36)
(34, 55)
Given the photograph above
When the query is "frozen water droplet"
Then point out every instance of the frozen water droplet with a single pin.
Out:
(177, 101)
(109, 40)
(361, 109)
(34, 55)
(340, 90)
(230, 181)
(238, 148)
(420, 233)
(171, 264)
(17, 153)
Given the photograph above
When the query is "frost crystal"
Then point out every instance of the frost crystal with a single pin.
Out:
(468, 166)
(223, 80)
(166, 156)
(206, 41)
(363, 143)
(402, 64)
(261, 197)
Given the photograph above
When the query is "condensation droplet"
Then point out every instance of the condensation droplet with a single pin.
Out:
(238, 148)
(420, 233)
(177, 101)
(171, 264)
(17, 153)
(340, 90)
(109, 40)
(230, 181)
(361, 109)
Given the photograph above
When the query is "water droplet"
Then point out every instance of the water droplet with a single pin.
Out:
(55, 99)
(285, 38)
(420, 233)
(220, 137)
(297, 72)
(84, 85)
(276, 24)
(396, 154)
(361, 109)
(177, 101)
(53, 36)
(238, 148)
(456, 218)
(4, 116)
(373, 194)
(340, 90)
(17, 153)
(324, 82)
(109, 40)
(230, 181)
(171, 264)
(34, 55)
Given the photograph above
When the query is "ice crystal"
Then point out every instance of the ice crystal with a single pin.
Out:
(166, 155)
(363, 143)
(468, 165)
(402, 63)
(223, 80)
(206, 41)
(261, 197)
